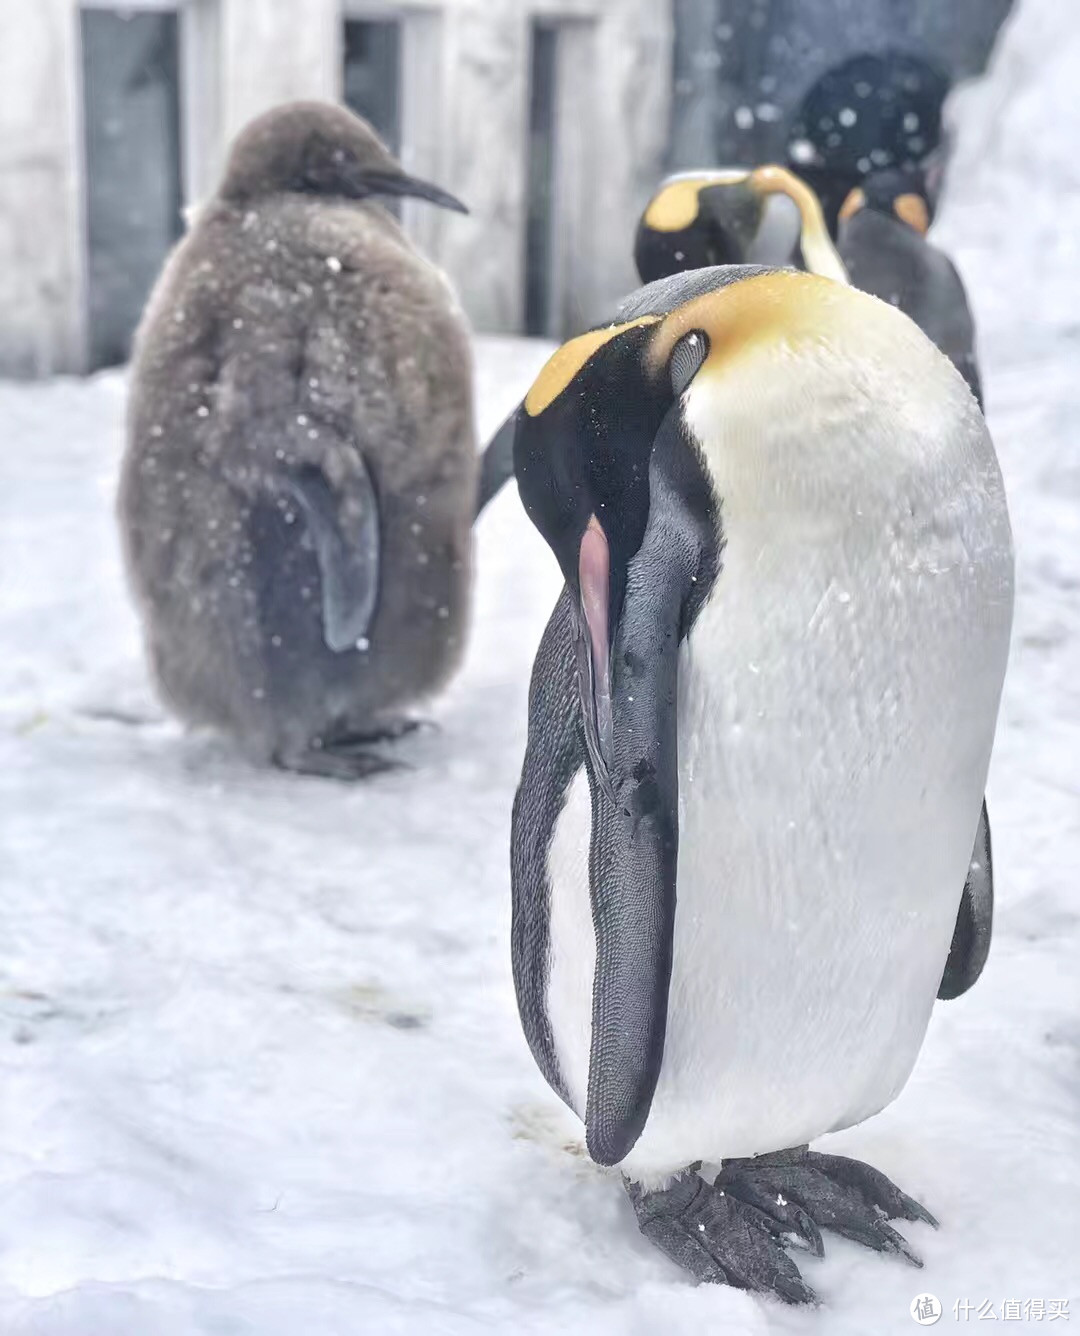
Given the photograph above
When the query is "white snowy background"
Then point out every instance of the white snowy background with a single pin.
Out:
(262, 1073)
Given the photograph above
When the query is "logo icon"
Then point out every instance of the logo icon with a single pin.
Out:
(925, 1309)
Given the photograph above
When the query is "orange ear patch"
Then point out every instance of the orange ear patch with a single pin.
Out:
(676, 204)
(565, 362)
(674, 207)
(855, 201)
(911, 209)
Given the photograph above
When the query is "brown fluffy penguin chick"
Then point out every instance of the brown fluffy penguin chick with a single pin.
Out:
(297, 492)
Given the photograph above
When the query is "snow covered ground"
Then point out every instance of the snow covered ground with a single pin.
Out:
(262, 1073)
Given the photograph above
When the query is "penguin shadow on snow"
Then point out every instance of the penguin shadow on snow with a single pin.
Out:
(32, 1016)
(372, 1003)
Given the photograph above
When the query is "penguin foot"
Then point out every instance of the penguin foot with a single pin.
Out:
(390, 730)
(718, 1238)
(387, 732)
(806, 1192)
(350, 756)
(347, 763)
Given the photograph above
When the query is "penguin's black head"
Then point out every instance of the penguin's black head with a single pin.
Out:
(607, 470)
(316, 148)
(695, 220)
(765, 215)
(897, 193)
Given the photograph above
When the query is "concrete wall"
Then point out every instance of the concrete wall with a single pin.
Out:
(485, 90)
(41, 279)
(464, 121)
(611, 131)
(274, 51)
(632, 73)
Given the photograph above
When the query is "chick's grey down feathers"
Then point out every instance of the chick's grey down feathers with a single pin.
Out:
(301, 394)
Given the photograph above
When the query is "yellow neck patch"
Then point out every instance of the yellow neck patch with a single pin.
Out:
(817, 248)
(912, 210)
(676, 205)
(565, 362)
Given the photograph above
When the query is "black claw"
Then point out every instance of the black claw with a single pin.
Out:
(762, 1220)
(390, 730)
(899, 1245)
(874, 1234)
(795, 1291)
(793, 1222)
(872, 1185)
(348, 767)
(806, 1230)
(916, 1211)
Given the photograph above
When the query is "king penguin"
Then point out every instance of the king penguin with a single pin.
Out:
(297, 493)
(883, 244)
(880, 244)
(765, 216)
(733, 215)
(759, 727)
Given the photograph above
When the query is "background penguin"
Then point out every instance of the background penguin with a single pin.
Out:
(882, 240)
(758, 740)
(737, 215)
(297, 492)
(872, 112)
(733, 216)
(880, 244)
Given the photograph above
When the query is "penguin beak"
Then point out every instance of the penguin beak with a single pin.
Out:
(394, 182)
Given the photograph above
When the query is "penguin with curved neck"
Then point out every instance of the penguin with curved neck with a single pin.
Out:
(698, 219)
(725, 217)
(880, 244)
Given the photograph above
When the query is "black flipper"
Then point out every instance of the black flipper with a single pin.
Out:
(497, 462)
(971, 936)
(554, 754)
(632, 864)
(635, 826)
(347, 548)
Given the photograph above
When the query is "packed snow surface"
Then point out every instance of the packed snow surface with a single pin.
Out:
(262, 1069)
